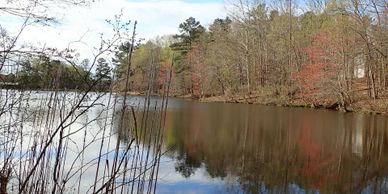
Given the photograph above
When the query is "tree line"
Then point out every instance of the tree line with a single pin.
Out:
(43, 72)
(319, 52)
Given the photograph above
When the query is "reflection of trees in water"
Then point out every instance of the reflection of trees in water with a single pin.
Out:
(186, 165)
(143, 127)
(142, 124)
(123, 124)
(271, 150)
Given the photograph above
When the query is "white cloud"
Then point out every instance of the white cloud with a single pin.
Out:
(155, 17)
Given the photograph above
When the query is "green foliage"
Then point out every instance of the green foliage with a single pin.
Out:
(190, 30)
(103, 71)
(120, 60)
(43, 73)
(103, 74)
(148, 60)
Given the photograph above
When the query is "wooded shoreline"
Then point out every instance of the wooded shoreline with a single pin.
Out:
(366, 106)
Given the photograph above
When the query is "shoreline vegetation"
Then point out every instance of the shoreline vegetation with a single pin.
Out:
(331, 55)
(363, 106)
(367, 106)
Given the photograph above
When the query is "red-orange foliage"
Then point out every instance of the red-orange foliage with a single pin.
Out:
(161, 76)
(196, 67)
(316, 167)
(318, 69)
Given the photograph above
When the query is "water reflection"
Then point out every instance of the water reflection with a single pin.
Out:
(55, 142)
(258, 149)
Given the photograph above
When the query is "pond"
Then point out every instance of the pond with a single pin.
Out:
(202, 148)
(238, 148)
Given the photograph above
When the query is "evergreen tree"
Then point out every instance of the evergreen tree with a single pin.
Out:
(103, 74)
(103, 71)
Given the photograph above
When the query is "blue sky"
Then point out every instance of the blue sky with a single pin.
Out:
(80, 27)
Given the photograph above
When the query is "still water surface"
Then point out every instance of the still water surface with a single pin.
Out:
(237, 148)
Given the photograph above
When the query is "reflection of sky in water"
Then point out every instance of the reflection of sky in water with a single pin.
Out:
(214, 138)
(370, 190)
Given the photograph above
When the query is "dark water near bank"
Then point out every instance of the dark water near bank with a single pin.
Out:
(238, 148)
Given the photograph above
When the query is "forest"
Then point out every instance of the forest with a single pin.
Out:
(331, 54)
(130, 117)
(314, 53)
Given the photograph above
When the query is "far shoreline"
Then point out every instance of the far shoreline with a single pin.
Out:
(378, 107)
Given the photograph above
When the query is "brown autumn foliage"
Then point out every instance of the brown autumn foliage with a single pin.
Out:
(332, 54)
